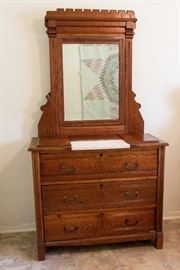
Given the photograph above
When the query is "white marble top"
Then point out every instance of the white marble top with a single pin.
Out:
(98, 144)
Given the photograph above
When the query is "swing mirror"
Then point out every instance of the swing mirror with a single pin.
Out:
(91, 81)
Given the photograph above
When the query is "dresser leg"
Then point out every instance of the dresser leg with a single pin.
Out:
(40, 252)
(159, 240)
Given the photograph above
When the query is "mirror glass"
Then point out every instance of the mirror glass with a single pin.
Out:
(91, 81)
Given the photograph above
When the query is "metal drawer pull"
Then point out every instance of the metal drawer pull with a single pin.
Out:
(71, 200)
(71, 228)
(128, 223)
(131, 166)
(132, 195)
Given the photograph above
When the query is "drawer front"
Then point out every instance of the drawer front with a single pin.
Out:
(99, 164)
(88, 225)
(98, 195)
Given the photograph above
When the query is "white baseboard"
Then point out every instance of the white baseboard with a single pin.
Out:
(172, 215)
(18, 228)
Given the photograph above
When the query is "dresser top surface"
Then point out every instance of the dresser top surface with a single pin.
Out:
(64, 144)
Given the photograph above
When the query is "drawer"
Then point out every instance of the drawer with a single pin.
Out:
(93, 224)
(99, 164)
(100, 194)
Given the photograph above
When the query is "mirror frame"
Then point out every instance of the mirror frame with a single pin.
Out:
(93, 26)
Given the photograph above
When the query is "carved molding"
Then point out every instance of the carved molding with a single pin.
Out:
(45, 126)
(133, 96)
(51, 32)
(48, 97)
(98, 167)
(135, 122)
(61, 13)
(130, 26)
(55, 19)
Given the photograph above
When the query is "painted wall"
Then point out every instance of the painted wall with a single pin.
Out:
(25, 82)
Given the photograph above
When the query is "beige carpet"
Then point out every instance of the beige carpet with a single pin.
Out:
(17, 252)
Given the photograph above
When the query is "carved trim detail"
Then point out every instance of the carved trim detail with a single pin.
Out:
(48, 97)
(99, 167)
(136, 122)
(133, 96)
(61, 12)
(51, 32)
(130, 26)
(122, 13)
(129, 33)
(45, 126)
(53, 19)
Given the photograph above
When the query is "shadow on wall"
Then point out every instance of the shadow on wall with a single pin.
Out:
(44, 72)
(169, 130)
(17, 207)
(17, 204)
(163, 123)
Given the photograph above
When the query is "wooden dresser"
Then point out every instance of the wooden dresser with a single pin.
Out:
(87, 197)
